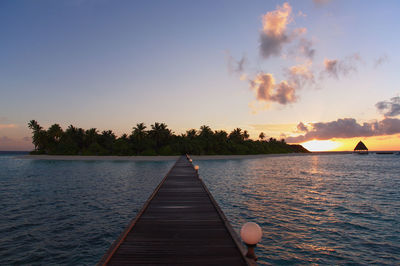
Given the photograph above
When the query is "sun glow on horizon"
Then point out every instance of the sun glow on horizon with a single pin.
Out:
(321, 145)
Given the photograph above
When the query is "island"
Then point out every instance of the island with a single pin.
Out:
(157, 140)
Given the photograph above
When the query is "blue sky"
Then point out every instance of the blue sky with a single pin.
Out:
(112, 64)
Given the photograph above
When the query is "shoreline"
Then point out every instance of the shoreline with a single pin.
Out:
(165, 158)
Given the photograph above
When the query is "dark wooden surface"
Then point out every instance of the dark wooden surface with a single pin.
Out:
(180, 224)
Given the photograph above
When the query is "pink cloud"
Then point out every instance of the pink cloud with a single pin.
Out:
(346, 128)
(266, 90)
(12, 144)
(275, 34)
(2, 126)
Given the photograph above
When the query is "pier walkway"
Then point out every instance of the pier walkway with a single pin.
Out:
(180, 223)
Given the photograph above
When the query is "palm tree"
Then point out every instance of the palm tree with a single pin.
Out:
(53, 137)
(221, 138)
(205, 132)
(74, 139)
(107, 139)
(124, 137)
(158, 140)
(122, 146)
(221, 135)
(139, 132)
(91, 136)
(261, 136)
(34, 125)
(37, 137)
(160, 134)
(55, 133)
(206, 137)
(191, 134)
(139, 138)
(246, 135)
(236, 135)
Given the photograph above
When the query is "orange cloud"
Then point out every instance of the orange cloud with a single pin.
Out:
(285, 93)
(336, 68)
(300, 75)
(7, 126)
(263, 85)
(266, 90)
(275, 33)
(346, 128)
(275, 22)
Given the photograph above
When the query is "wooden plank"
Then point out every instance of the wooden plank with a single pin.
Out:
(180, 223)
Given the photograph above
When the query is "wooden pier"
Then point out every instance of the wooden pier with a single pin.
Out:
(180, 223)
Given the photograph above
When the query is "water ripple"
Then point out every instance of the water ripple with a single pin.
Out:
(66, 212)
(325, 209)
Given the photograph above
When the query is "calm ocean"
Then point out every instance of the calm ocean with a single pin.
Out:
(313, 209)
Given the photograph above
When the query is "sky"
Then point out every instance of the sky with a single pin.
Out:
(317, 72)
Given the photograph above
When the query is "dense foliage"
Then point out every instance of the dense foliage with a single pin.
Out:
(158, 140)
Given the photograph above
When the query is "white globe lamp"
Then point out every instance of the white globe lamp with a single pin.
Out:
(251, 234)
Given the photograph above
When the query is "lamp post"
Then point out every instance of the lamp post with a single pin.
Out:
(196, 167)
(190, 160)
(251, 234)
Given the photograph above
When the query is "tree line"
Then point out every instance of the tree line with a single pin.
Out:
(156, 140)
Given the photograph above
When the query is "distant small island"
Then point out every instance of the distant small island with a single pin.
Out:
(158, 140)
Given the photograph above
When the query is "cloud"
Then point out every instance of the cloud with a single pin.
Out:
(2, 126)
(4, 119)
(266, 90)
(270, 46)
(263, 85)
(305, 48)
(380, 60)
(275, 34)
(5, 140)
(389, 108)
(301, 127)
(331, 66)
(284, 92)
(275, 22)
(11, 144)
(300, 75)
(5, 123)
(337, 68)
(235, 66)
(321, 2)
(348, 128)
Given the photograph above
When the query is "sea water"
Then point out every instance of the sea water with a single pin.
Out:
(318, 209)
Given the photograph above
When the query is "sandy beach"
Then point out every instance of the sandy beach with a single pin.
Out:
(163, 158)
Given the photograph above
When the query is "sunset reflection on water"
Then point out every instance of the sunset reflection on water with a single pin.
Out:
(321, 209)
